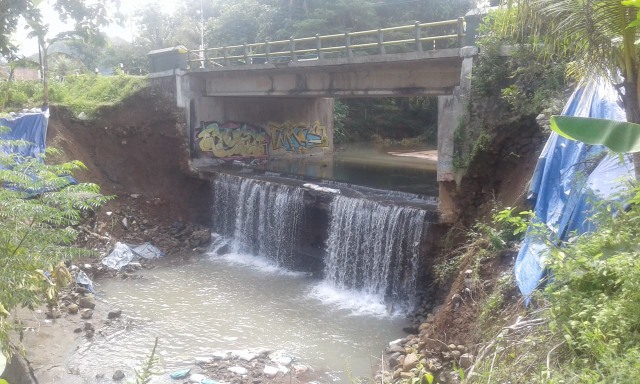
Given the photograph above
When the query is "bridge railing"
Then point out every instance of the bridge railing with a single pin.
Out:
(407, 38)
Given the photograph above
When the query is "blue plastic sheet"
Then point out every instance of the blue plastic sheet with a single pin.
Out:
(29, 127)
(569, 177)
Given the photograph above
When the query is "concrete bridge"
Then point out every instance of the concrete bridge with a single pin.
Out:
(275, 99)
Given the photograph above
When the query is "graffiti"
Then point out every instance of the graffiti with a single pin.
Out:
(296, 137)
(232, 140)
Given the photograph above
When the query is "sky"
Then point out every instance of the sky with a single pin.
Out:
(127, 7)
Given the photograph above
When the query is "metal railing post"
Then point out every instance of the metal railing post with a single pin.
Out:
(460, 31)
(267, 51)
(347, 44)
(418, 36)
(292, 48)
(380, 42)
(245, 52)
(319, 47)
(224, 55)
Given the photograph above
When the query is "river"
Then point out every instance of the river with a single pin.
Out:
(236, 302)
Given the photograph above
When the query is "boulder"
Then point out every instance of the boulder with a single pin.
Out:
(410, 361)
(466, 360)
(86, 314)
(270, 371)
(238, 370)
(72, 309)
(87, 302)
(114, 314)
(118, 375)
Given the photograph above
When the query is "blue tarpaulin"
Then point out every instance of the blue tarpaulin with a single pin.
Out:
(29, 127)
(569, 177)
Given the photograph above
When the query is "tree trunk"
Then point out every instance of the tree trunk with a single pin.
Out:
(632, 110)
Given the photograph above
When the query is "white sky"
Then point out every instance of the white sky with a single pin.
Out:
(127, 7)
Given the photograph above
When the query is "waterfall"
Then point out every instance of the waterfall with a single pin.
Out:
(262, 218)
(375, 249)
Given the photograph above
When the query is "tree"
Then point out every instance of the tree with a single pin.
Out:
(39, 211)
(87, 17)
(599, 36)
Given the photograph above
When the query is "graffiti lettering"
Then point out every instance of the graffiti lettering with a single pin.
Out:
(290, 137)
(232, 140)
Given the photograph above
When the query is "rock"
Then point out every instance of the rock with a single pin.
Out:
(88, 326)
(406, 375)
(395, 348)
(200, 360)
(197, 378)
(220, 355)
(86, 314)
(455, 354)
(238, 370)
(72, 309)
(77, 330)
(118, 375)
(200, 237)
(53, 313)
(466, 360)
(87, 302)
(180, 374)
(410, 361)
(89, 334)
(433, 365)
(393, 359)
(270, 371)
(82, 290)
(299, 369)
(281, 358)
(114, 314)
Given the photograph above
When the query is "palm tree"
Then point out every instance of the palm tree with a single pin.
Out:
(599, 36)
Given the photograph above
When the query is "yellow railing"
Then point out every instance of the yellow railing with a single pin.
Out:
(416, 37)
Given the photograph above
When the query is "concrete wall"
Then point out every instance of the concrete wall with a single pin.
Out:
(245, 128)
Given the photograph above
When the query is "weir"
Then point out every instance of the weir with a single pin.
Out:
(375, 248)
(262, 218)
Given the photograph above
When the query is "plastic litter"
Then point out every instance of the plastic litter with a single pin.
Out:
(84, 281)
(180, 374)
(124, 254)
(561, 194)
(146, 251)
(119, 257)
(318, 188)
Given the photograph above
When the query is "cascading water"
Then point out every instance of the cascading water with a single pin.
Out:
(262, 218)
(375, 249)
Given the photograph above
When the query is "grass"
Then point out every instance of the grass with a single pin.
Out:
(79, 93)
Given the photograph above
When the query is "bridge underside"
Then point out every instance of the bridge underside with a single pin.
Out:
(396, 75)
(266, 111)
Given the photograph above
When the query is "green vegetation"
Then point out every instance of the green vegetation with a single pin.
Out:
(584, 327)
(80, 93)
(387, 121)
(39, 212)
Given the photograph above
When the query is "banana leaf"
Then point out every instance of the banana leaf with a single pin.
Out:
(619, 136)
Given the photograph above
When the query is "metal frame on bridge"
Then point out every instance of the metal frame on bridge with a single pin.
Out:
(372, 42)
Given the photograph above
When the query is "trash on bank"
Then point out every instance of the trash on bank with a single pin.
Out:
(124, 254)
(84, 281)
(180, 374)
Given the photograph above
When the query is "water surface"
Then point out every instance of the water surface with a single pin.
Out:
(237, 302)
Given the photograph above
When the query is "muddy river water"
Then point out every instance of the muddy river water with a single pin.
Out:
(236, 302)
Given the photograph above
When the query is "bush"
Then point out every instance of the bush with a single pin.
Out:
(38, 211)
(595, 296)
